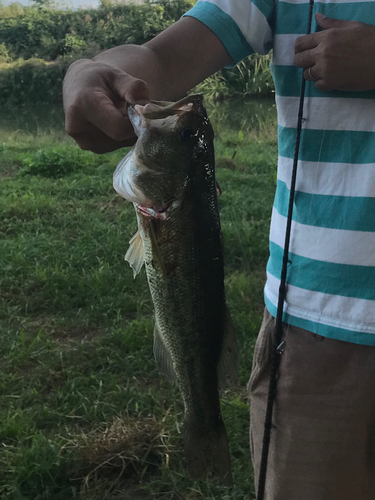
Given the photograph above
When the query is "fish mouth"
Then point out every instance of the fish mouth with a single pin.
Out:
(140, 116)
(160, 213)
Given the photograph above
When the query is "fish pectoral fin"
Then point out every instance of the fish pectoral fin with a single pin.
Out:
(163, 357)
(135, 253)
(228, 364)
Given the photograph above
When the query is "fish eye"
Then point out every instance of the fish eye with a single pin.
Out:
(186, 133)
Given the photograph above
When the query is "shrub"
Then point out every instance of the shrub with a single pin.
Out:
(4, 54)
(31, 81)
(55, 162)
(42, 34)
(46, 33)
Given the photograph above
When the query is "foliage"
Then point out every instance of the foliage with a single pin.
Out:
(4, 54)
(13, 10)
(84, 412)
(26, 82)
(250, 77)
(46, 33)
(55, 162)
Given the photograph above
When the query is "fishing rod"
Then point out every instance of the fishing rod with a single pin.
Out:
(279, 346)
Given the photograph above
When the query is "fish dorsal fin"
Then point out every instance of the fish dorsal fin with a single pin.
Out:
(135, 253)
(228, 364)
(163, 357)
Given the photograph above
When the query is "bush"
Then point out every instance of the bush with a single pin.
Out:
(55, 162)
(250, 77)
(42, 34)
(45, 33)
(4, 54)
(31, 81)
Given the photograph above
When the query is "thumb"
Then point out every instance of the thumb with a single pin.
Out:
(132, 90)
(328, 22)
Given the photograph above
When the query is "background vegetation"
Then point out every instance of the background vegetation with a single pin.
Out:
(84, 412)
(38, 43)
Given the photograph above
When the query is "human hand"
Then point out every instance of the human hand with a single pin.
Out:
(95, 96)
(341, 57)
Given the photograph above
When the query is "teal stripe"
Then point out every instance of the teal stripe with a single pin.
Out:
(288, 83)
(333, 212)
(291, 18)
(334, 146)
(318, 276)
(267, 8)
(323, 330)
(224, 28)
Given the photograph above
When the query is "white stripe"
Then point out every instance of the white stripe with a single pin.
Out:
(328, 245)
(250, 20)
(355, 115)
(283, 49)
(332, 179)
(333, 310)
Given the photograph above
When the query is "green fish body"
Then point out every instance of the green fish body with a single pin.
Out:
(170, 177)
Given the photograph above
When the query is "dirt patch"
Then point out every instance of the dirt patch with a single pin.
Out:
(68, 337)
(122, 453)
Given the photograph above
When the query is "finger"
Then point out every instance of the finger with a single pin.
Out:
(130, 89)
(328, 22)
(305, 59)
(306, 42)
(323, 86)
(101, 112)
(97, 142)
(309, 74)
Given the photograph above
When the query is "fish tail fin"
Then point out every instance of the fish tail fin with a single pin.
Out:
(207, 451)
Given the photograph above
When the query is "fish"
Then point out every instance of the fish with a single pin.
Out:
(169, 176)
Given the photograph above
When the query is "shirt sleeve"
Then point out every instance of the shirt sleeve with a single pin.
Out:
(243, 26)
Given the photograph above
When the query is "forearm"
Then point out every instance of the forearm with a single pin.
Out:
(96, 91)
(174, 61)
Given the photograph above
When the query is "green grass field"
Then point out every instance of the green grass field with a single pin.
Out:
(84, 412)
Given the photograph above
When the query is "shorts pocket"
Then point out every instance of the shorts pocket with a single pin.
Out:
(263, 350)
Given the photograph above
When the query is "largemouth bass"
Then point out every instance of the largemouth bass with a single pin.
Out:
(169, 175)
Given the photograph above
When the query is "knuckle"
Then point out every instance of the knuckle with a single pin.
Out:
(325, 52)
(71, 131)
(297, 45)
(71, 128)
(98, 150)
(324, 68)
(136, 89)
(322, 86)
(86, 144)
(297, 60)
(136, 85)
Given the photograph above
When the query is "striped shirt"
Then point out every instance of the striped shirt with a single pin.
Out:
(331, 273)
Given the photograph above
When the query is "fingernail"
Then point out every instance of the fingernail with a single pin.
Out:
(142, 102)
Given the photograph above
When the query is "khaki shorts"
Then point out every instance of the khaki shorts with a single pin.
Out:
(323, 436)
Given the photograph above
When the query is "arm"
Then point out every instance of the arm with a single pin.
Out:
(96, 91)
(341, 57)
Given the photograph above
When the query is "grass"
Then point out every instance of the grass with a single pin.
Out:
(84, 412)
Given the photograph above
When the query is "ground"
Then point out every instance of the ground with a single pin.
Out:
(84, 412)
